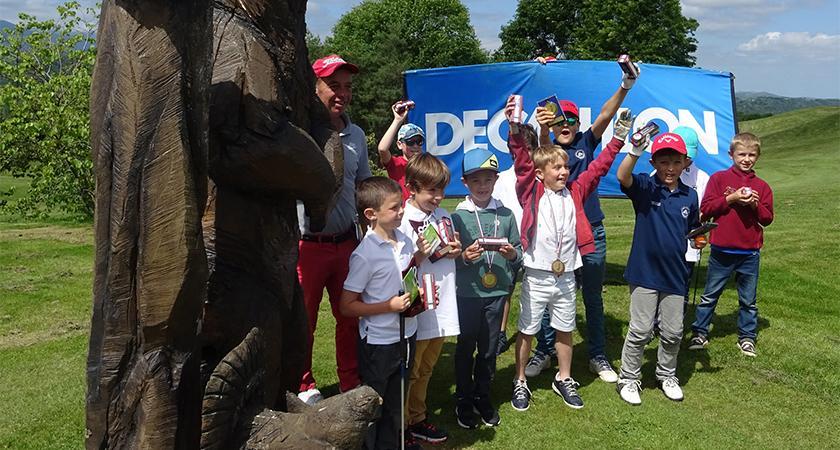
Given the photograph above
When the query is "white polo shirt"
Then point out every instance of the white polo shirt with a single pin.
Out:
(556, 220)
(376, 273)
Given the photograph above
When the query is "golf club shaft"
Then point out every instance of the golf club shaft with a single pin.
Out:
(696, 277)
(403, 364)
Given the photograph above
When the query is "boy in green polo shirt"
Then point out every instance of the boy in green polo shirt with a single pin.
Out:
(483, 277)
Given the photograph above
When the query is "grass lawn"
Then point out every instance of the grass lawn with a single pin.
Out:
(784, 398)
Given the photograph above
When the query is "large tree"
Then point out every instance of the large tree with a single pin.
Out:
(45, 68)
(652, 31)
(539, 28)
(386, 37)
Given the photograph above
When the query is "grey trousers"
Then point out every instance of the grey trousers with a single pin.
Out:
(643, 307)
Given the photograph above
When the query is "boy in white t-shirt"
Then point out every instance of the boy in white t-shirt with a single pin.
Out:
(426, 177)
(372, 291)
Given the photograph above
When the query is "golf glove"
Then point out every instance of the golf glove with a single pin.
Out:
(627, 82)
(622, 125)
(637, 150)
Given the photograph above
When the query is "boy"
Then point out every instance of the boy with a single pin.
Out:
(695, 178)
(483, 278)
(666, 210)
(742, 204)
(426, 177)
(410, 139)
(554, 235)
(372, 293)
(581, 145)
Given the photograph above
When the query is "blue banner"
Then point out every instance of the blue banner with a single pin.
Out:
(462, 108)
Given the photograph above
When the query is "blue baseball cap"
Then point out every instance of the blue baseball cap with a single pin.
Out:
(408, 131)
(480, 159)
(690, 138)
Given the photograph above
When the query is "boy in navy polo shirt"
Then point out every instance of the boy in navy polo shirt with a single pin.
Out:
(742, 204)
(666, 210)
(580, 146)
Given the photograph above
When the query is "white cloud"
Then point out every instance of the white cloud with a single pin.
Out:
(732, 15)
(799, 45)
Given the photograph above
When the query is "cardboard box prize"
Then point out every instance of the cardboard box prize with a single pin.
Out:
(410, 287)
(492, 244)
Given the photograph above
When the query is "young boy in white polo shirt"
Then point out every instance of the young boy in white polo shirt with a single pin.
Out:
(372, 291)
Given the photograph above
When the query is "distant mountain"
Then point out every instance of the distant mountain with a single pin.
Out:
(753, 104)
(6, 24)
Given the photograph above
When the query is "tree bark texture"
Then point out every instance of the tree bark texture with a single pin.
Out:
(149, 133)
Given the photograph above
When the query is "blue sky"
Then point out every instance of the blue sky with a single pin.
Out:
(785, 47)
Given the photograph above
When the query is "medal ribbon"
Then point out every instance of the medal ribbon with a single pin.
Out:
(558, 230)
(488, 256)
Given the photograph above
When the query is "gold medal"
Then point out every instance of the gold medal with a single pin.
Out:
(558, 267)
(489, 280)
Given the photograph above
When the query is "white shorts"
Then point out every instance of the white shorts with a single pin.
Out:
(541, 289)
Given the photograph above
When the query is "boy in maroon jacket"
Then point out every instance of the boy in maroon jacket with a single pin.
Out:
(742, 205)
(555, 234)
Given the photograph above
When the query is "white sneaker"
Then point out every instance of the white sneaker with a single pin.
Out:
(602, 367)
(629, 391)
(671, 387)
(311, 397)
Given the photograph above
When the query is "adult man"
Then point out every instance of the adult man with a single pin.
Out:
(325, 255)
(580, 147)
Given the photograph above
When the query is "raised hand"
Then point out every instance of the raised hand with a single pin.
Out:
(623, 124)
(510, 105)
(544, 116)
(627, 82)
(399, 116)
(637, 150)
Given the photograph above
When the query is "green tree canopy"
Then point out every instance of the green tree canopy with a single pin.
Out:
(539, 28)
(652, 31)
(45, 71)
(386, 37)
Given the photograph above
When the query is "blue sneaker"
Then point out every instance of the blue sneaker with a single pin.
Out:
(567, 388)
(521, 395)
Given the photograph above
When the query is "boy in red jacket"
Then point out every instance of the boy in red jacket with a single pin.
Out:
(555, 234)
(742, 204)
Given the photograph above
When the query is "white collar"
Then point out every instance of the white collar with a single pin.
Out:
(468, 205)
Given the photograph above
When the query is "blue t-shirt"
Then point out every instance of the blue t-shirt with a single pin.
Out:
(582, 152)
(663, 218)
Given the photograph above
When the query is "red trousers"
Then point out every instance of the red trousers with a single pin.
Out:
(325, 265)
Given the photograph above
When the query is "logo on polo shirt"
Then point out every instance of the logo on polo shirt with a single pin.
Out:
(580, 154)
(684, 212)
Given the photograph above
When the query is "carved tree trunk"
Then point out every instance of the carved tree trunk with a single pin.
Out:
(149, 124)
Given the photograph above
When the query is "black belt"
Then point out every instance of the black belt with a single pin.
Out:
(330, 238)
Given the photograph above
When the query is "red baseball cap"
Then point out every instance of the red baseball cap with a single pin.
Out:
(671, 141)
(569, 107)
(327, 65)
